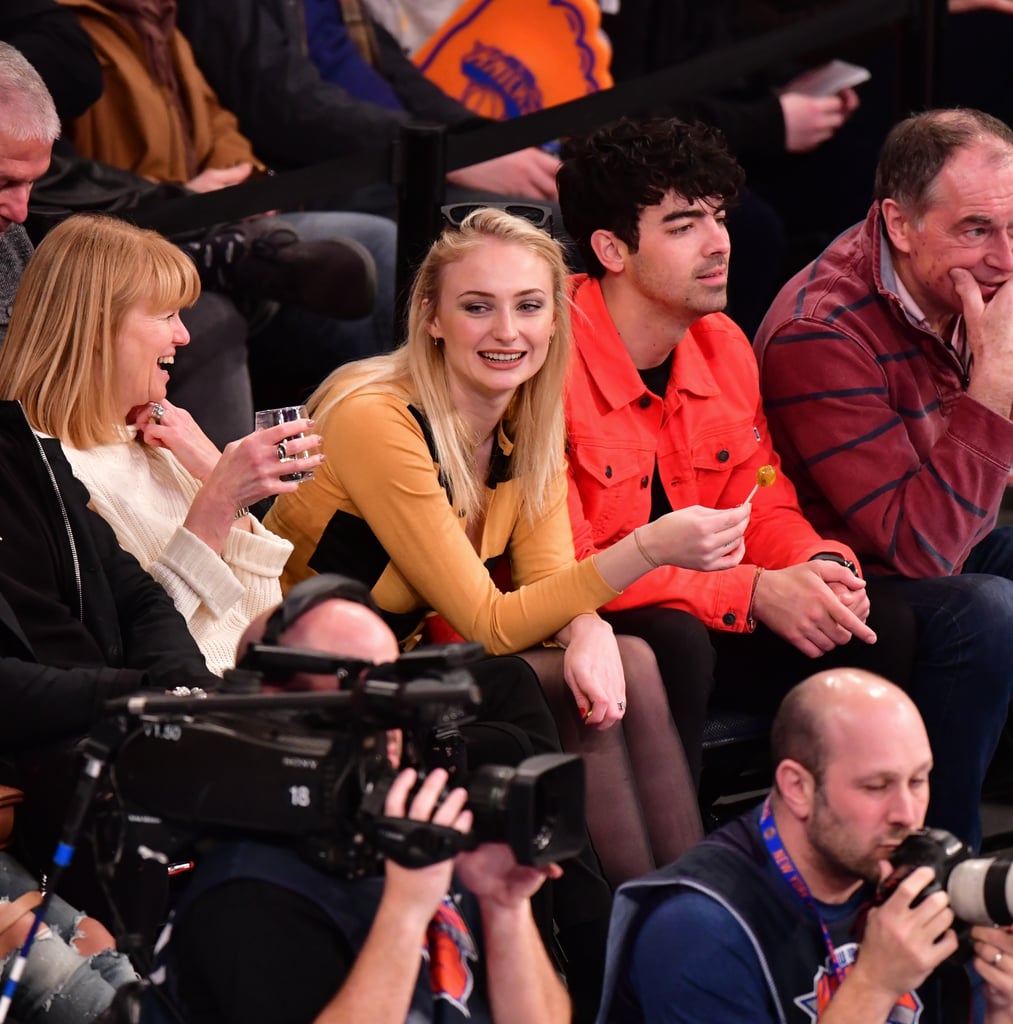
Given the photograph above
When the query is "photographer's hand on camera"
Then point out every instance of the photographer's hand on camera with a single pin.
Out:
(380, 985)
(417, 891)
(523, 988)
(901, 947)
(993, 960)
(593, 670)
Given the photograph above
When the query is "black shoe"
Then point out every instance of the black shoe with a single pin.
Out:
(264, 258)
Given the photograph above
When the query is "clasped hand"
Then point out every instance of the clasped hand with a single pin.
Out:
(490, 872)
(815, 606)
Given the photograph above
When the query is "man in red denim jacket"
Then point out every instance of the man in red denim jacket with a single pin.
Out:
(664, 412)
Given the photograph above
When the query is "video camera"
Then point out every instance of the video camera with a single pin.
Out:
(980, 888)
(310, 769)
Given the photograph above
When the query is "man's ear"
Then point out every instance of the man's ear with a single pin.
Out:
(796, 786)
(610, 250)
(898, 223)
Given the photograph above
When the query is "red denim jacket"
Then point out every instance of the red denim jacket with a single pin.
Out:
(709, 437)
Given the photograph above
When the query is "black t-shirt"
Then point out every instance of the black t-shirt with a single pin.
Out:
(655, 379)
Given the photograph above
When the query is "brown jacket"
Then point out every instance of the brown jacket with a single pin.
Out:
(134, 125)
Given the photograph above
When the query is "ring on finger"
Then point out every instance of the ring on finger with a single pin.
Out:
(997, 959)
(621, 704)
(157, 412)
(589, 712)
(282, 452)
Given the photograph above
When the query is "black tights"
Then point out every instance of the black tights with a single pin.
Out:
(641, 802)
(686, 661)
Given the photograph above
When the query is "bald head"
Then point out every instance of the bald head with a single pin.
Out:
(343, 627)
(336, 626)
(822, 717)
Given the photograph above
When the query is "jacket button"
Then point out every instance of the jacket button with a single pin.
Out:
(723, 455)
(644, 481)
(608, 472)
(728, 618)
(645, 401)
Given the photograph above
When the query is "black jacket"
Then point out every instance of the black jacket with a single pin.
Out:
(54, 43)
(254, 54)
(143, 638)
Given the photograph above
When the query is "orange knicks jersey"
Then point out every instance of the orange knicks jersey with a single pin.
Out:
(908, 1009)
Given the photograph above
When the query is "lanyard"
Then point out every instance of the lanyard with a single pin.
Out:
(781, 857)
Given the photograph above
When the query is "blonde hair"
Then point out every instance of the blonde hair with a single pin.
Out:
(417, 370)
(59, 356)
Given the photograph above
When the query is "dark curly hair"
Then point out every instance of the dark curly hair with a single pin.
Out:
(609, 177)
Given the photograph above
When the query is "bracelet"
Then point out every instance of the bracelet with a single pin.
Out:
(243, 510)
(643, 551)
(750, 619)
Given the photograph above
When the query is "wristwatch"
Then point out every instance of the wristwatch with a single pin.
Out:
(833, 556)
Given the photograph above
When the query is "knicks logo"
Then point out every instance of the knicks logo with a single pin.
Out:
(449, 948)
(907, 1010)
(499, 86)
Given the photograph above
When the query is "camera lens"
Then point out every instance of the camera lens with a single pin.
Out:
(537, 807)
(981, 890)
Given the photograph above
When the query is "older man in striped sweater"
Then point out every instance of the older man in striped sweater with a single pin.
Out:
(887, 375)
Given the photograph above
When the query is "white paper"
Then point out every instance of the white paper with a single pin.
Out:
(829, 79)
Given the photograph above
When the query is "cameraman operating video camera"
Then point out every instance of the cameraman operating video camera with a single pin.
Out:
(769, 919)
(262, 934)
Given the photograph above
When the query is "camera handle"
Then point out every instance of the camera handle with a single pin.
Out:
(417, 844)
(98, 746)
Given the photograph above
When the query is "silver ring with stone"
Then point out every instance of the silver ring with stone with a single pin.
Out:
(282, 452)
(157, 412)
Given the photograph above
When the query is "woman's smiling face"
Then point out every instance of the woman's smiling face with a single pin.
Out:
(145, 347)
(495, 318)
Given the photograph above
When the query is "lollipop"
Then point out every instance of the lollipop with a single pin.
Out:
(765, 476)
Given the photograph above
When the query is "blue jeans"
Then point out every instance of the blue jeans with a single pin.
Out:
(296, 349)
(963, 674)
(59, 986)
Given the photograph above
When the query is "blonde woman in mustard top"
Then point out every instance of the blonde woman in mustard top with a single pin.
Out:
(444, 490)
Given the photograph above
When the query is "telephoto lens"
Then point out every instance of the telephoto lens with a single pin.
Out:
(981, 890)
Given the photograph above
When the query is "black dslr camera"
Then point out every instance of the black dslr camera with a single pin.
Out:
(980, 888)
(310, 769)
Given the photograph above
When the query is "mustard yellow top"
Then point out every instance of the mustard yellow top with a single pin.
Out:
(376, 510)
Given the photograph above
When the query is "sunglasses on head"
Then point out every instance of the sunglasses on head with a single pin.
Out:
(539, 215)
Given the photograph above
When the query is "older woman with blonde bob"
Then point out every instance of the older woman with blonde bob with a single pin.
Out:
(446, 477)
(92, 338)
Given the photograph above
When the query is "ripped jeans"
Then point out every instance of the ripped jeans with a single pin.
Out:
(59, 985)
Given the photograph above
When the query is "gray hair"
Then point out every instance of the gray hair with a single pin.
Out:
(27, 111)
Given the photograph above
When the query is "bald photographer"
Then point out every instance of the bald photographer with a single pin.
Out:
(263, 933)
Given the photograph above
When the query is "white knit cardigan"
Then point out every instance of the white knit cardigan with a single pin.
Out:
(144, 493)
